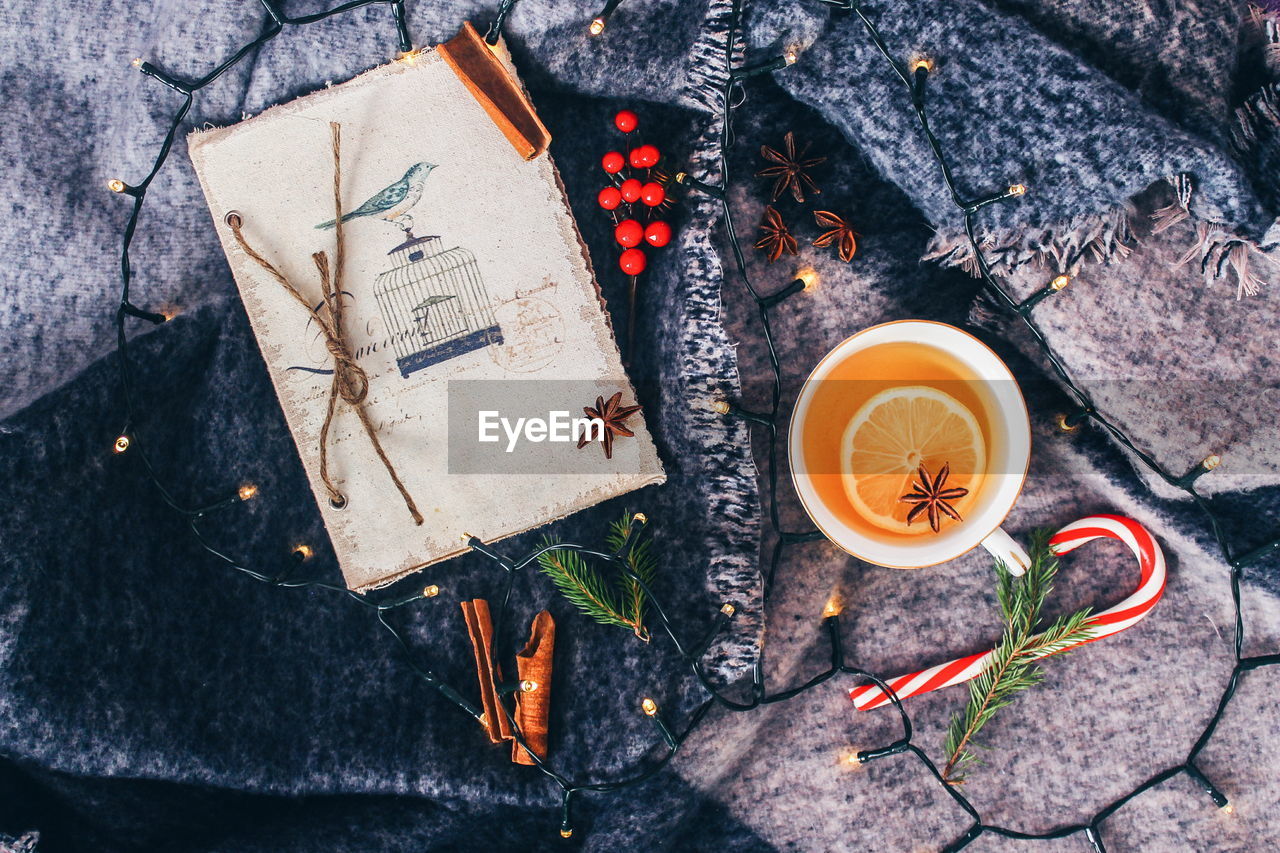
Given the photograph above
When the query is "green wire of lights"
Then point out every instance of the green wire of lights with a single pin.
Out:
(914, 82)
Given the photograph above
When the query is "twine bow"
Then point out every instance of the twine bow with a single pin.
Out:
(350, 382)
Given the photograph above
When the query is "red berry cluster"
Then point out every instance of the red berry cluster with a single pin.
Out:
(628, 190)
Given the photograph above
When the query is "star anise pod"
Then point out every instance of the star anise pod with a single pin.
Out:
(840, 234)
(933, 497)
(790, 168)
(613, 414)
(775, 237)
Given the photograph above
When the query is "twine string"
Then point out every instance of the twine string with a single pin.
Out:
(350, 382)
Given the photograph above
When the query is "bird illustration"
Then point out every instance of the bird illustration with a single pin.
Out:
(394, 202)
(422, 313)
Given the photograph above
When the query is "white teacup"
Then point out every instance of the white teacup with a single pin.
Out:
(1007, 457)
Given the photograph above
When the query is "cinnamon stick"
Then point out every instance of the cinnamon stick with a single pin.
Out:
(533, 709)
(480, 629)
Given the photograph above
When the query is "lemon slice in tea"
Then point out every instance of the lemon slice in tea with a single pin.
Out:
(891, 436)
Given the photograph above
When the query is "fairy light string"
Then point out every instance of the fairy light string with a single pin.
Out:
(913, 75)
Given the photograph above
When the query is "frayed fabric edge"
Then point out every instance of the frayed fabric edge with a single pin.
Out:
(25, 843)
(1100, 237)
(1256, 117)
(1264, 30)
(1219, 251)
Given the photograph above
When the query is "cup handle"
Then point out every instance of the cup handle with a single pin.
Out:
(1003, 547)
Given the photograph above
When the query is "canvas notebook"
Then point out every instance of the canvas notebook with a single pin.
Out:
(465, 287)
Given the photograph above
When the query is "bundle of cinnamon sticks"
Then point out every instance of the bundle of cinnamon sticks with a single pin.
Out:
(533, 693)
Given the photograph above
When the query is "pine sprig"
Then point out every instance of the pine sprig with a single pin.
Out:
(620, 602)
(1015, 663)
(641, 561)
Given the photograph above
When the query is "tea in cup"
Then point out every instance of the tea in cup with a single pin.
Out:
(909, 444)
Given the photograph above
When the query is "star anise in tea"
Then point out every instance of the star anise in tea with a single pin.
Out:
(613, 415)
(839, 234)
(932, 497)
(775, 237)
(790, 168)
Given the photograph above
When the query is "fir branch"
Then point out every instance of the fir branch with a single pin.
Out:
(581, 585)
(1015, 663)
(642, 563)
(621, 602)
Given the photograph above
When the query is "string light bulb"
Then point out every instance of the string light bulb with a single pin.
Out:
(408, 57)
(116, 185)
(528, 685)
(727, 609)
(566, 832)
(136, 62)
(596, 28)
(790, 55)
(302, 552)
(834, 605)
(1228, 809)
(720, 407)
(430, 591)
(809, 276)
(1211, 461)
(1017, 189)
(649, 706)
(852, 758)
(640, 518)
(1060, 281)
(121, 444)
(922, 63)
(247, 492)
(1064, 424)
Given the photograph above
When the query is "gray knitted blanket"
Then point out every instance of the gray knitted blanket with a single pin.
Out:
(151, 699)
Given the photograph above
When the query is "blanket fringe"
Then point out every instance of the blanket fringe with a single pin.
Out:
(25, 843)
(1216, 248)
(1101, 237)
(1176, 211)
(1256, 119)
(1218, 251)
(1259, 115)
(1110, 236)
(1264, 27)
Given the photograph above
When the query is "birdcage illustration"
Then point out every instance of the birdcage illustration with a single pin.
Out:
(434, 303)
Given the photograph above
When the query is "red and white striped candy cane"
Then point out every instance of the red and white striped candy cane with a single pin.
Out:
(1104, 624)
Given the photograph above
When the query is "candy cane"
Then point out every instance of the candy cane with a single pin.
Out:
(1104, 624)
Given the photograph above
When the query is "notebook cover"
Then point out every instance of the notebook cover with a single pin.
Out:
(475, 285)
